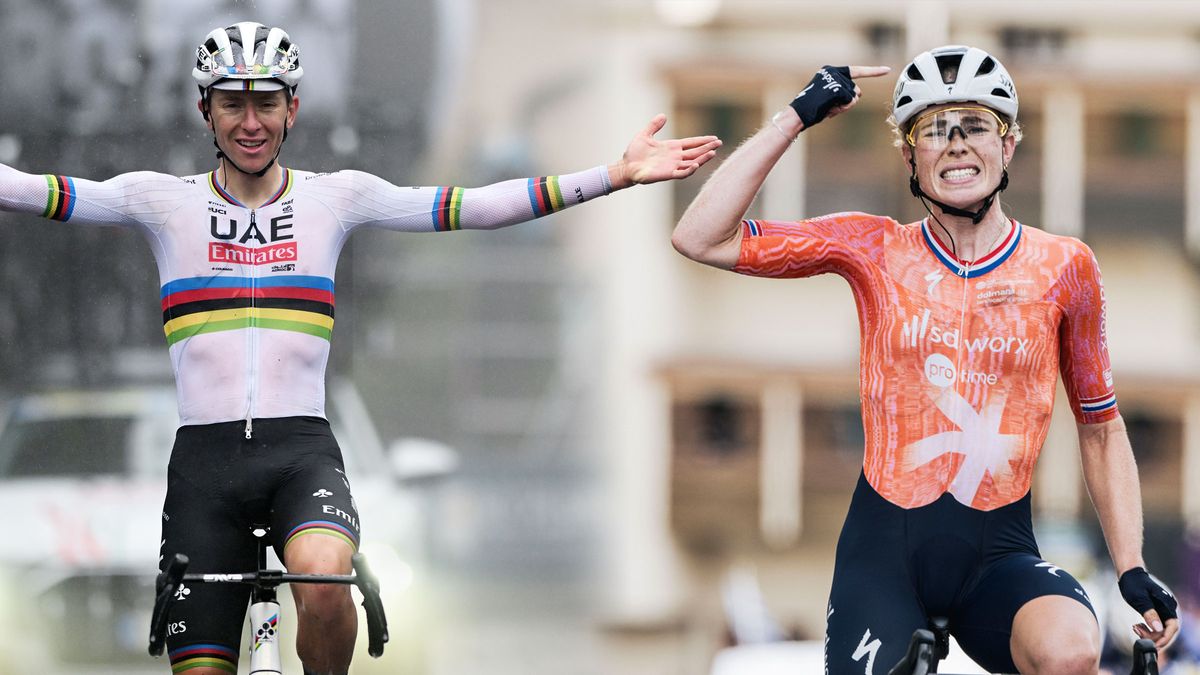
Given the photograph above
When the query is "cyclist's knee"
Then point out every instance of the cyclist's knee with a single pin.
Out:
(1066, 660)
(317, 554)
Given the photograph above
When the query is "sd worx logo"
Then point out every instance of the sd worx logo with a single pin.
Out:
(918, 328)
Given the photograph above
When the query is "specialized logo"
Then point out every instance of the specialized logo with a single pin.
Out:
(182, 592)
(934, 278)
(232, 253)
(830, 83)
(918, 328)
(322, 493)
(1050, 567)
(868, 648)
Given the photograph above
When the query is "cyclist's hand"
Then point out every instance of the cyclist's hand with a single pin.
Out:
(832, 92)
(1156, 603)
(649, 160)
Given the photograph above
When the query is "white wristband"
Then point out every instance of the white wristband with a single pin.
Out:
(775, 123)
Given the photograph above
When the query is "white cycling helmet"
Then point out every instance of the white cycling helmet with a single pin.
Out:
(973, 76)
(247, 56)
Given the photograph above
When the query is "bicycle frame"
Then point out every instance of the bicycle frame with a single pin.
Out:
(264, 608)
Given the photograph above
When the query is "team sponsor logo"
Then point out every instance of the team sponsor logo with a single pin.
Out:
(176, 627)
(265, 632)
(322, 493)
(867, 648)
(219, 252)
(335, 511)
(222, 577)
(182, 592)
(288, 267)
(918, 329)
(941, 373)
(934, 278)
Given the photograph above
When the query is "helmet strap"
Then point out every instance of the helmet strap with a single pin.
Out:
(914, 186)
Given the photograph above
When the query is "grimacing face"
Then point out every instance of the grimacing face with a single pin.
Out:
(249, 125)
(958, 171)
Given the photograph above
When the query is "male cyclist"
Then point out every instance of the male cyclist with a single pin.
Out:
(967, 318)
(246, 257)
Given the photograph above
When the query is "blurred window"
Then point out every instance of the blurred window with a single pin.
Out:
(731, 112)
(65, 447)
(1023, 44)
(715, 473)
(887, 41)
(1135, 175)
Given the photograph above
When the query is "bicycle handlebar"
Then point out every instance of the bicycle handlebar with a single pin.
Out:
(168, 582)
(925, 649)
(1145, 658)
(166, 585)
(368, 585)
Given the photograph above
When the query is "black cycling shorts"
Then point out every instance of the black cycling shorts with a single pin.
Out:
(289, 477)
(896, 568)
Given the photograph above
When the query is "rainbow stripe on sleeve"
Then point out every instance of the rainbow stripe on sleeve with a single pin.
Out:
(302, 304)
(545, 195)
(60, 200)
(447, 206)
(203, 656)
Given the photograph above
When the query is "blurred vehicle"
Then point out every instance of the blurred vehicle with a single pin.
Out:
(82, 481)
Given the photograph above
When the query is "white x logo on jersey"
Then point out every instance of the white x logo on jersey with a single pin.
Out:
(979, 439)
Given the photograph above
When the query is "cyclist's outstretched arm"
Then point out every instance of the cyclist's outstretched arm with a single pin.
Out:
(709, 231)
(142, 198)
(363, 199)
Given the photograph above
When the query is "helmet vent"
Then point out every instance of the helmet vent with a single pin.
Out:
(986, 67)
(1000, 92)
(904, 100)
(914, 73)
(948, 66)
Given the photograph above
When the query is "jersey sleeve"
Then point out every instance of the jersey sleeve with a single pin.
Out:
(1083, 341)
(132, 199)
(361, 199)
(835, 243)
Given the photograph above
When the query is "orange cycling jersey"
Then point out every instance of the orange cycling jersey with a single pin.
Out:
(959, 360)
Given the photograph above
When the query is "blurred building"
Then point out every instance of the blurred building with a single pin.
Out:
(632, 424)
(727, 418)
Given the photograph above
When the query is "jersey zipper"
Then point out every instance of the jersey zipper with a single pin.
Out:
(252, 348)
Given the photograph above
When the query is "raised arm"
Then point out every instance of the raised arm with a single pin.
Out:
(363, 199)
(709, 231)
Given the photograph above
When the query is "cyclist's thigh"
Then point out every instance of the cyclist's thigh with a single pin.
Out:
(983, 625)
(314, 498)
(873, 608)
(206, 622)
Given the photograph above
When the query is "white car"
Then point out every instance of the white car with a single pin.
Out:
(82, 480)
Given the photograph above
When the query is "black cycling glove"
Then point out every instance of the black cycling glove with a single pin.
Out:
(1144, 593)
(830, 87)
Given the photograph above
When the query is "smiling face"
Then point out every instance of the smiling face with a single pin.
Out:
(250, 125)
(960, 151)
